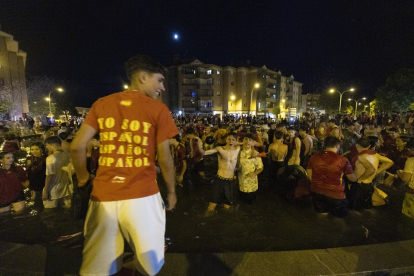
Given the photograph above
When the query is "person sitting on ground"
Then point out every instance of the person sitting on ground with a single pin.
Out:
(249, 167)
(277, 154)
(58, 186)
(13, 180)
(407, 176)
(366, 167)
(308, 142)
(325, 171)
(222, 191)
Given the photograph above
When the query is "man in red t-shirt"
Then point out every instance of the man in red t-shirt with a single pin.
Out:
(326, 170)
(125, 200)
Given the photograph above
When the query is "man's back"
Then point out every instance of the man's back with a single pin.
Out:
(328, 169)
(59, 164)
(130, 126)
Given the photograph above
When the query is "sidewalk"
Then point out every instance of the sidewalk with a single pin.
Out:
(385, 259)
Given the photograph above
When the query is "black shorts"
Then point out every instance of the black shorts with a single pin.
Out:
(333, 206)
(222, 191)
(199, 166)
(20, 197)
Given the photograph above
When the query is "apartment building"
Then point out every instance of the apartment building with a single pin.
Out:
(12, 75)
(197, 87)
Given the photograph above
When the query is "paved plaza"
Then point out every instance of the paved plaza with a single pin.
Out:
(269, 237)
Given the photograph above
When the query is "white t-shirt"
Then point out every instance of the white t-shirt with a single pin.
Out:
(60, 165)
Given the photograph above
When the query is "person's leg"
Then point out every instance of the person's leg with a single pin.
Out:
(338, 207)
(408, 205)
(49, 204)
(142, 222)
(319, 203)
(104, 244)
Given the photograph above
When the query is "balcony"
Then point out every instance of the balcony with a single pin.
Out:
(271, 80)
(206, 86)
(206, 108)
(271, 90)
(189, 108)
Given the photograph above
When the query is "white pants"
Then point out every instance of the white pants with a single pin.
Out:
(140, 221)
(64, 202)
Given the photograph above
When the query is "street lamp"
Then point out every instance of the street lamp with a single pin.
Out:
(126, 86)
(50, 99)
(251, 96)
(340, 97)
(356, 104)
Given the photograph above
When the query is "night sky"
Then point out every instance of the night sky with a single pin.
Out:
(322, 43)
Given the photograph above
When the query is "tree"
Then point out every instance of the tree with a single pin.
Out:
(276, 110)
(398, 92)
(39, 87)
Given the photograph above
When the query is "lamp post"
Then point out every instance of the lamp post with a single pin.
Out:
(50, 99)
(356, 104)
(365, 108)
(340, 96)
(251, 96)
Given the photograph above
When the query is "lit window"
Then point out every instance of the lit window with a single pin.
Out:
(231, 72)
(208, 72)
(259, 105)
(218, 93)
(193, 94)
(245, 73)
(218, 72)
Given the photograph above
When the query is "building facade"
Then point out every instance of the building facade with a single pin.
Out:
(197, 87)
(12, 76)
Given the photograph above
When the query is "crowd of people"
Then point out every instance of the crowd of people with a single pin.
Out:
(340, 163)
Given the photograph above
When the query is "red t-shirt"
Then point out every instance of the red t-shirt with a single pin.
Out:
(130, 125)
(328, 169)
(11, 184)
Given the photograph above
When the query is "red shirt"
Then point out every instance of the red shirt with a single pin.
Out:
(130, 125)
(328, 169)
(11, 184)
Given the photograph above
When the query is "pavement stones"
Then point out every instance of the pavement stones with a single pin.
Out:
(378, 259)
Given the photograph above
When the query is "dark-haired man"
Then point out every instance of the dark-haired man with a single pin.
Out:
(333, 129)
(180, 159)
(223, 183)
(326, 170)
(308, 142)
(58, 186)
(125, 200)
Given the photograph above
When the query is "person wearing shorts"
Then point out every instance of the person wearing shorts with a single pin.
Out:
(325, 171)
(222, 191)
(227, 161)
(125, 201)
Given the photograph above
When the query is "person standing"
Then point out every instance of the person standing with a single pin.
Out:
(249, 167)
(125, 201)
(36, 172)
(58, 186)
